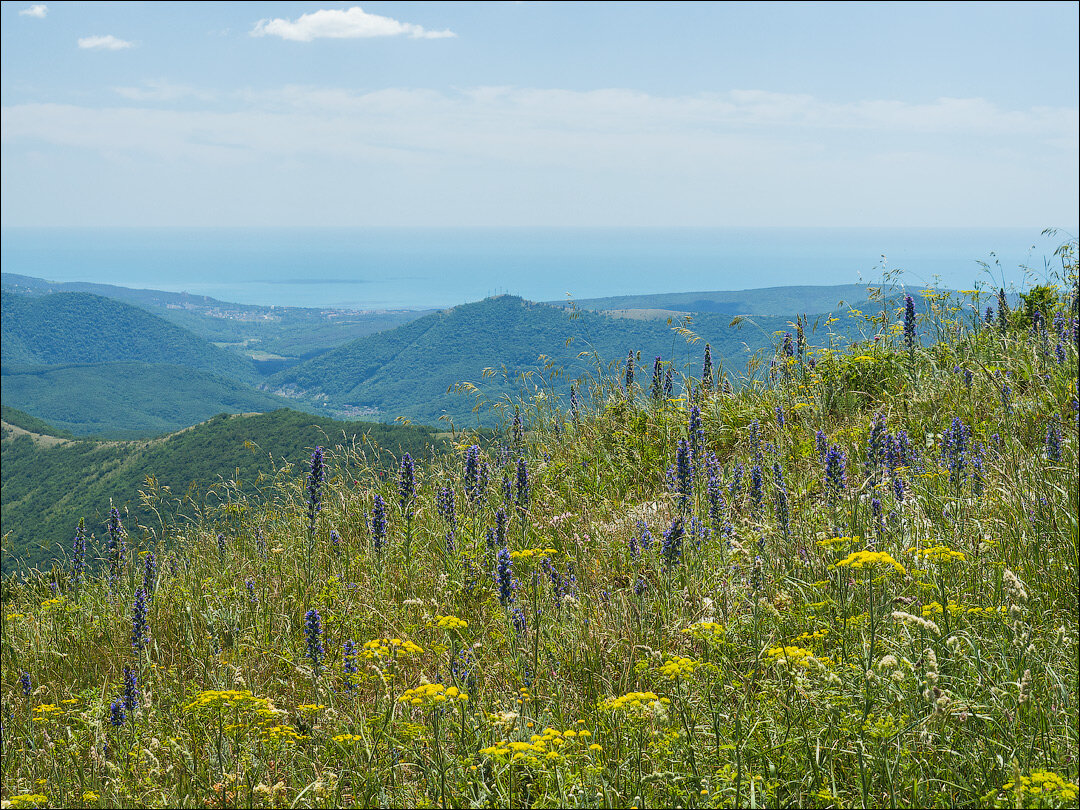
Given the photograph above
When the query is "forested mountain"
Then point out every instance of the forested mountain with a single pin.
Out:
(128, 399)
(77, 328)
(49, 485)
(407, 371)
(761, 301)
(250, 330)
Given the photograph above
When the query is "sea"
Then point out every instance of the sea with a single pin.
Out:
(421, 268)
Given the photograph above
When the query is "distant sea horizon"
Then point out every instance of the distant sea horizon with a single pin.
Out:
(421, 268)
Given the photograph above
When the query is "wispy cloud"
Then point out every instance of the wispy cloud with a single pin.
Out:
(38, 10)
(553, 156)
(105, 43)
(350, 23)
(161, 90)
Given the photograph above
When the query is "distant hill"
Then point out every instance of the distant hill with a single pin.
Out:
(127, 399)
(48, 487)
(68, 328)
(24, 422)
(249, 330)
(761, 301)
(407, 371)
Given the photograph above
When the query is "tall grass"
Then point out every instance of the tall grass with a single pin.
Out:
(592, 630)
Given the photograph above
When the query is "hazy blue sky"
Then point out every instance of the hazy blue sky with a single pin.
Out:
(539, 114)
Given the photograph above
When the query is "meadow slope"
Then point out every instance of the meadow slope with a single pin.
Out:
(850, 582)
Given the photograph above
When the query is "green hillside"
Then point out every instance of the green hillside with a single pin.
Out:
(31, 424)
(69, 328)
(244, 329)
(407, 371)
(852, 583)
(127, 399)
(47, 487)
(761, 301)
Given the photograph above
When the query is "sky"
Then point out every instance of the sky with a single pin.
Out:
(539, 114)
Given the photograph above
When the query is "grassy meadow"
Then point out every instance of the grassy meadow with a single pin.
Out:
(849, 582)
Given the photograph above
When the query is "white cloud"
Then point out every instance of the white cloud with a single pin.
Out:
(38, 10)
(105, 43)
(504, 155)
(161, 90)
(350, 23)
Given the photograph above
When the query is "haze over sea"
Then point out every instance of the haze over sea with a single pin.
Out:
(397, 268)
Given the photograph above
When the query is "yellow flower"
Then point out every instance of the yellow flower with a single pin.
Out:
(527, 553)
(867, 559)
(795, 656)
(942, 555)
(433, 694)
(388, 647)
(450, 622)
(679, 667)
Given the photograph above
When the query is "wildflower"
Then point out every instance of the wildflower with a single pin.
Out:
(877, 446)
(500, 527)
(630, 371)
(575, 407)
(221, 544)
(504, 570)
(796, 657)
(78, 559)
(713, 492)
(433, 694)
(835, 472)
(517, 617)
(313, 632)
(646, 537)
(522, 486)
(116, 713)
(131, 691)
(150, 573)
(909, 322)
(116, 543)
(671, 550)
(250, 585)
(378, 523)
(24, 682)
(517, 431)
(1006, 397)
(684, 473)
(1003, 310)
(916, 621)
(639, 586)
(866, 559)
(822, 445)
(316, 474)
(757, 481)
(696, 433)
(779, 416)
(335, 542)
(669, 385)
(678, 667)
(1053, 440)
(788, 348)
(472, 472)
(463, 669)
(707, 370)
(407, 484)
(139, 627)
(736, 480)
(348, 663)
(955, 446)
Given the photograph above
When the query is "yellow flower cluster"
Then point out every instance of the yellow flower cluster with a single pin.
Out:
(29, 800)
(942, 555)
(679, 667)
(795, 656)
(450, 622)
(707, 631)
(280, 733)
(386, 647)
(213, 699)
(432, 694)
(867, 559)
(639, 705)
(527, 553)
(810, 638)
(348, 738)
(1046, 783)
(551, 746)
(829, 542)
(310, 708)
